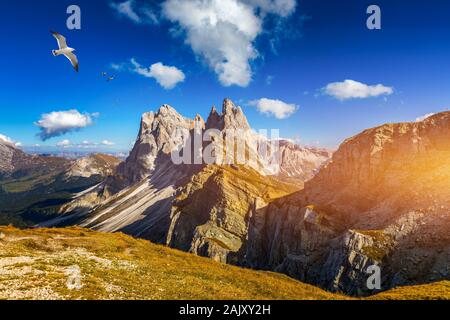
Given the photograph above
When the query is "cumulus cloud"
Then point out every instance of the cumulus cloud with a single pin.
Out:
(419, 119)
(167, 77)
(58, 123)
(138, 13)
(350, 89)
(223, 32)
(277, 108)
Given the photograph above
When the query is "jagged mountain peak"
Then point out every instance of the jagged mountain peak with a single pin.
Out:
(232, 117)
(164, 131)
(160, 133)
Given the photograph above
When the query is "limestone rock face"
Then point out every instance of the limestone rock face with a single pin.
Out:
(232, 117)
(382, 200)
(211, 214)
(299, 164)
(391, 167)
(159, 134)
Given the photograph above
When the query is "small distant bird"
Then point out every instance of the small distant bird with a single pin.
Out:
(108, 78)
(65, 50)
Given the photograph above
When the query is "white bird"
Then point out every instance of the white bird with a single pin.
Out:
(65, 50)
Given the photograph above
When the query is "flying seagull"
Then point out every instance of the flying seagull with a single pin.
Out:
(110, 79)
(65, 50)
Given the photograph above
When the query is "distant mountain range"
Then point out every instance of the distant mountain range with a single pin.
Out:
(33, 187)
(382, 199)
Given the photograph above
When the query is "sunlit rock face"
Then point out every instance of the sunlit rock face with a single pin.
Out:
(383, 199)
(298, 163)
(157, 138)
(402, 166)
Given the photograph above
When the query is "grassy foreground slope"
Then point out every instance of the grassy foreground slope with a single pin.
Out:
(40, 263)
(77, 263)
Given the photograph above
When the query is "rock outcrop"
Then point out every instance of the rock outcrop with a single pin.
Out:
(299, 164)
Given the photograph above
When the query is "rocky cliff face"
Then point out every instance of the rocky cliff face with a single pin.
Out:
(299, 164)
(398, 165)
(159, 134)
(382, 200)
(211, 214)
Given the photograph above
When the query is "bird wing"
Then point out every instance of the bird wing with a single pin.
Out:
(61, 40)
(73, 59)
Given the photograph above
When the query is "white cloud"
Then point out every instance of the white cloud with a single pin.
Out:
(126, 9)
(136, 13)
(10, 141)
(282, 8)
(117, 66)
(350, 89)
(107, 143)
(168, 77)
(64, 143)
(419, 119)
(223, 32)
(277, 108)
(58, 123)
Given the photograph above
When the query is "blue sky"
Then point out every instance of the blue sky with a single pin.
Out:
(296, 51)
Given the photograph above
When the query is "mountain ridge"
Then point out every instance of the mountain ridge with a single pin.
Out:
(358, 210)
